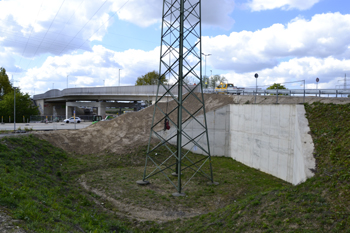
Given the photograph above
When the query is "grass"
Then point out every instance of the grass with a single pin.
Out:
(5, 131)
(47, 196)
(36, 191)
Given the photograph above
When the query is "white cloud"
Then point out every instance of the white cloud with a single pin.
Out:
(90, 69)
(36, 27)
(33, 28)
(328, 70)
(259, 5)
(148, 12)
(323, 36)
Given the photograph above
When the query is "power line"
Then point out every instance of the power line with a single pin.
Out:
(31, 31)
(84, 27)
(67, 21)
(104, 23)
(47, 30)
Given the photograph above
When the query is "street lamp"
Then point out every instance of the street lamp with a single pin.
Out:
(119, 77)
(256, 85)
(14, 109)
(205, 73)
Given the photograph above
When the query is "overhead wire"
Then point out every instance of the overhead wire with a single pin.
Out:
(105, 23)
(84, 26)
(47, 31)
(67, 21)
(36, 19)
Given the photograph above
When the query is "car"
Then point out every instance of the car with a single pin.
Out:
(71, 120)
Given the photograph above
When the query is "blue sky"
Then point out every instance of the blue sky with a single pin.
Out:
(43, 42)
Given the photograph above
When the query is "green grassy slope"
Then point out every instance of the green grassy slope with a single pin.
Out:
(321, 204)
(38, 185)
(35, 190)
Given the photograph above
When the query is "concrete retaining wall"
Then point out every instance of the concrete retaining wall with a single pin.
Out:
(271, 138)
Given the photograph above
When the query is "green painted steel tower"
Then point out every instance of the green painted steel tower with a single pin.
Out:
(179, 123)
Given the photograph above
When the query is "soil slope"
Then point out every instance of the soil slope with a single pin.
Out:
(131, 130)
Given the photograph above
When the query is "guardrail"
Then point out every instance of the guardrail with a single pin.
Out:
(288, 92)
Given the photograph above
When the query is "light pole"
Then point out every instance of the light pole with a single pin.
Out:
(304, 91)
(14, 109)
(205, 73)
(119, 77)
(256, 84)
(67, 81)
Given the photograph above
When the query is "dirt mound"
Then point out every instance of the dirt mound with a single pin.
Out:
(126, 132)
(132, 130)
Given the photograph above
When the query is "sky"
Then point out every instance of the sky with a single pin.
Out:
(86, 43)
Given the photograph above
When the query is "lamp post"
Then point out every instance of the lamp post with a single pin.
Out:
(256, 84)
(304, 92)
(205, 73)
(119, 77)
(14, 109)
(67, 81)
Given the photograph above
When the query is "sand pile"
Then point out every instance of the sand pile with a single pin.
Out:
(126, 132)
(131, 130)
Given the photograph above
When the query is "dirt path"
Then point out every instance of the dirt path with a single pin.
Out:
(7, 224)
(139, 213)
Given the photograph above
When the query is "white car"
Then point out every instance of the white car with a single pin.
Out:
(71, 120)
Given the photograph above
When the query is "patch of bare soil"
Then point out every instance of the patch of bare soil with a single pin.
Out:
(132, 211)
(7, 224)
(131, 130)
(126, 132)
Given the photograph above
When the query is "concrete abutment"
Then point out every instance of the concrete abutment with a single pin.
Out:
(272, 138)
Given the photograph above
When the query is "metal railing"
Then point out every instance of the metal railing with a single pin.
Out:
(287, 92)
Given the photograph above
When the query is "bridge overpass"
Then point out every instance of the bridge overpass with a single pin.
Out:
(63, 101)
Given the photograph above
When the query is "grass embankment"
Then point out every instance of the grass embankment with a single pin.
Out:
(35, 190)
(321, 204)
(47, 197)
(41, 186)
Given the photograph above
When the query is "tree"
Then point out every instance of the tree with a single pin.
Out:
(206, 81)
(216, 79)
(276, 86)
(24, 105)
(5, 85)
(151, 78)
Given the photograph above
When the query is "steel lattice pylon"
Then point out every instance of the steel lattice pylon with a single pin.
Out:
(180, 63)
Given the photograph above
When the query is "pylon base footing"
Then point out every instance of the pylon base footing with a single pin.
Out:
(142, 182)
(179, 194)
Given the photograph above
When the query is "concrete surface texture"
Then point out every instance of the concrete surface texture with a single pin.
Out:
(271, 138)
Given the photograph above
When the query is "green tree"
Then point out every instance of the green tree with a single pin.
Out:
(276, 86)
(151, 78)
(5, 85)
(24, 105)
(216, 79)
(206, 82)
